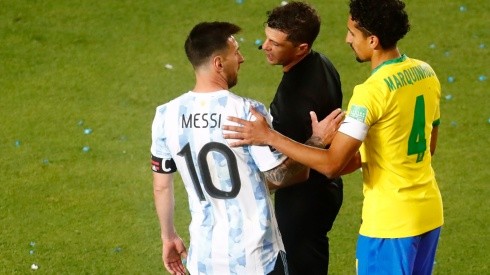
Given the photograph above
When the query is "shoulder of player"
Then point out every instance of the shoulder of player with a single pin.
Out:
(160, 109)
(372, 86)
(246, 102)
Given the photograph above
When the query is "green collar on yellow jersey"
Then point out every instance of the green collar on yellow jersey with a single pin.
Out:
(391, 61)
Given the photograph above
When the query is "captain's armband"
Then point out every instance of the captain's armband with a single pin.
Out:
(162, 166)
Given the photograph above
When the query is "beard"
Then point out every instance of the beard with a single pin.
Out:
(232, 82)
(358, 59)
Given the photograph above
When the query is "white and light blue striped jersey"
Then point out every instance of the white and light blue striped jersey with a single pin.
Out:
(233, 228)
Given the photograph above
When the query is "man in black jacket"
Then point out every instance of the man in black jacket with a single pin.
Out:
(305, 212)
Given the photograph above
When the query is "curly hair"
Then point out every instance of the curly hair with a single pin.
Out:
(386, 19)
(206, 38)
(298, 20)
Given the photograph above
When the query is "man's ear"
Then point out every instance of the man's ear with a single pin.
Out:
(303, 48)
(218, 62)
(373, 41)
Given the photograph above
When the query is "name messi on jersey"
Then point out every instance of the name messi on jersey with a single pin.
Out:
(201, 120)
(408, 76)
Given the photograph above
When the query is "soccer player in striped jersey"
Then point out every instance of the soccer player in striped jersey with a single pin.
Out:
(390, 130)
(233, 228)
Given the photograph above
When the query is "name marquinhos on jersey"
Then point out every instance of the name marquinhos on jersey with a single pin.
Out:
(408, 76)
(201, 120)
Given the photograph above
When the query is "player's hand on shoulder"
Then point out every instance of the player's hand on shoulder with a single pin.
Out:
(254, 132)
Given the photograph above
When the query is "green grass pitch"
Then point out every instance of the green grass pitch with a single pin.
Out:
(89, 74)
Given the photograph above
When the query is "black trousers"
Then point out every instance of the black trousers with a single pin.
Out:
(305, 214)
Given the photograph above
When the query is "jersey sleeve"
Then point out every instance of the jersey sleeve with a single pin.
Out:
(161, 159)
(437, 119)
(265, 157)
(437, 113)
(365, 108)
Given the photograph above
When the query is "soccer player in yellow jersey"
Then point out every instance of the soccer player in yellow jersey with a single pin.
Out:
(390, 130)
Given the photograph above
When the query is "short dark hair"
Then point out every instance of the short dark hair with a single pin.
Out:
(298, 20)
(385, 19)
(206, 38)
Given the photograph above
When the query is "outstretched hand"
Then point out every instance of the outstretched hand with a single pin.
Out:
(173, 252)
(249, 132)
(326, 129)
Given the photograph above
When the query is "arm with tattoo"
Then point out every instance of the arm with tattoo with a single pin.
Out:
(287, 173)
(290, 172)
(315, 141)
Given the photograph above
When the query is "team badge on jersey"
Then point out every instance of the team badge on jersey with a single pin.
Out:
(358, 113)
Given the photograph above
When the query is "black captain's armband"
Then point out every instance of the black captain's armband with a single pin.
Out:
(159, 165)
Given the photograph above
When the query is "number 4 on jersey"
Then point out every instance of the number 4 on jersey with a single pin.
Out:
(416, 142)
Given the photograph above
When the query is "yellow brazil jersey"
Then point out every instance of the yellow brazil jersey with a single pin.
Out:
(399, 103)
